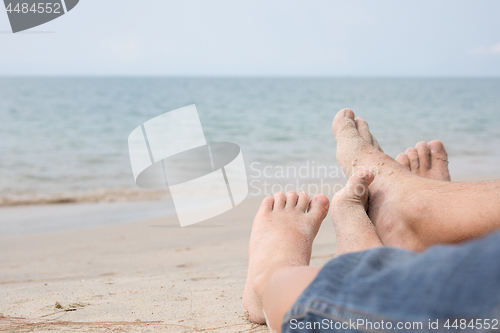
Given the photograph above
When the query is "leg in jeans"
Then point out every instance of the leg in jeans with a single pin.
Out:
(445, 285)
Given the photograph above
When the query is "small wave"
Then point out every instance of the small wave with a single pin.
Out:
(95, 196)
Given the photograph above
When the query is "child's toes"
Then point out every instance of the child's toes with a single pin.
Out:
(356, 190)
(353, 229)
(291, 199)
(318, 207)
(303, 202)
(279, 201)
(267, 205)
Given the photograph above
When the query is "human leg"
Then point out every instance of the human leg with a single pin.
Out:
(410, 211)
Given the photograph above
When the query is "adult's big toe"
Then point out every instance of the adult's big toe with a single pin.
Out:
(357, 148)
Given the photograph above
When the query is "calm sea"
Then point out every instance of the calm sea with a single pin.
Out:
(67, 137)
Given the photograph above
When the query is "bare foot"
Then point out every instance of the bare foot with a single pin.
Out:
(428, 160)
(409, 211)
(354, 230)
(282, 236)
(397, 203)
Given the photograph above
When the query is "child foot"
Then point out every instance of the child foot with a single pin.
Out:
(282, 235)
(428, 160)
(354, 230)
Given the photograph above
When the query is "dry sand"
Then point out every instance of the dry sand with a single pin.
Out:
(149, 276)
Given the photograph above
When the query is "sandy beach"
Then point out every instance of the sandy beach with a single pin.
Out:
(83, 249)
(119, 122)
(146, 276)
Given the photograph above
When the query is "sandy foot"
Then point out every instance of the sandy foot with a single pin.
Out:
(395, 202)
(428, 160)
(354, 230)
(282, 235)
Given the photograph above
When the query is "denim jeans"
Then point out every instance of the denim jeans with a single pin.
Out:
(444, 289)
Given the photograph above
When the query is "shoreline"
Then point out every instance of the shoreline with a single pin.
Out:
(139, 272)
(55, 218)
(49, 217)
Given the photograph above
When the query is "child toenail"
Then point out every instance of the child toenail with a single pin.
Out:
(322, 200)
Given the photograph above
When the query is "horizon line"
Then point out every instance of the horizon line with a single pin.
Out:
(250, 76)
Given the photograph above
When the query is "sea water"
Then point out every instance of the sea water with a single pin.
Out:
(67, 137)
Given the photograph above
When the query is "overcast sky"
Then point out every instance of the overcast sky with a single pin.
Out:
(261, 38)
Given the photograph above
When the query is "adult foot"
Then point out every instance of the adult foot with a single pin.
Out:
(409, 211)
(396, 203)
(282, 235)
(428, 160)
(353, 229)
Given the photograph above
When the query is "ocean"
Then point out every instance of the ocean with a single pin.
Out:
(65, 139)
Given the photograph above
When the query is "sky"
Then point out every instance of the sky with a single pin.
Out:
(361, 38)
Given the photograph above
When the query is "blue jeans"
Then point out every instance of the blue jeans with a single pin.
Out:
(446, 288)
